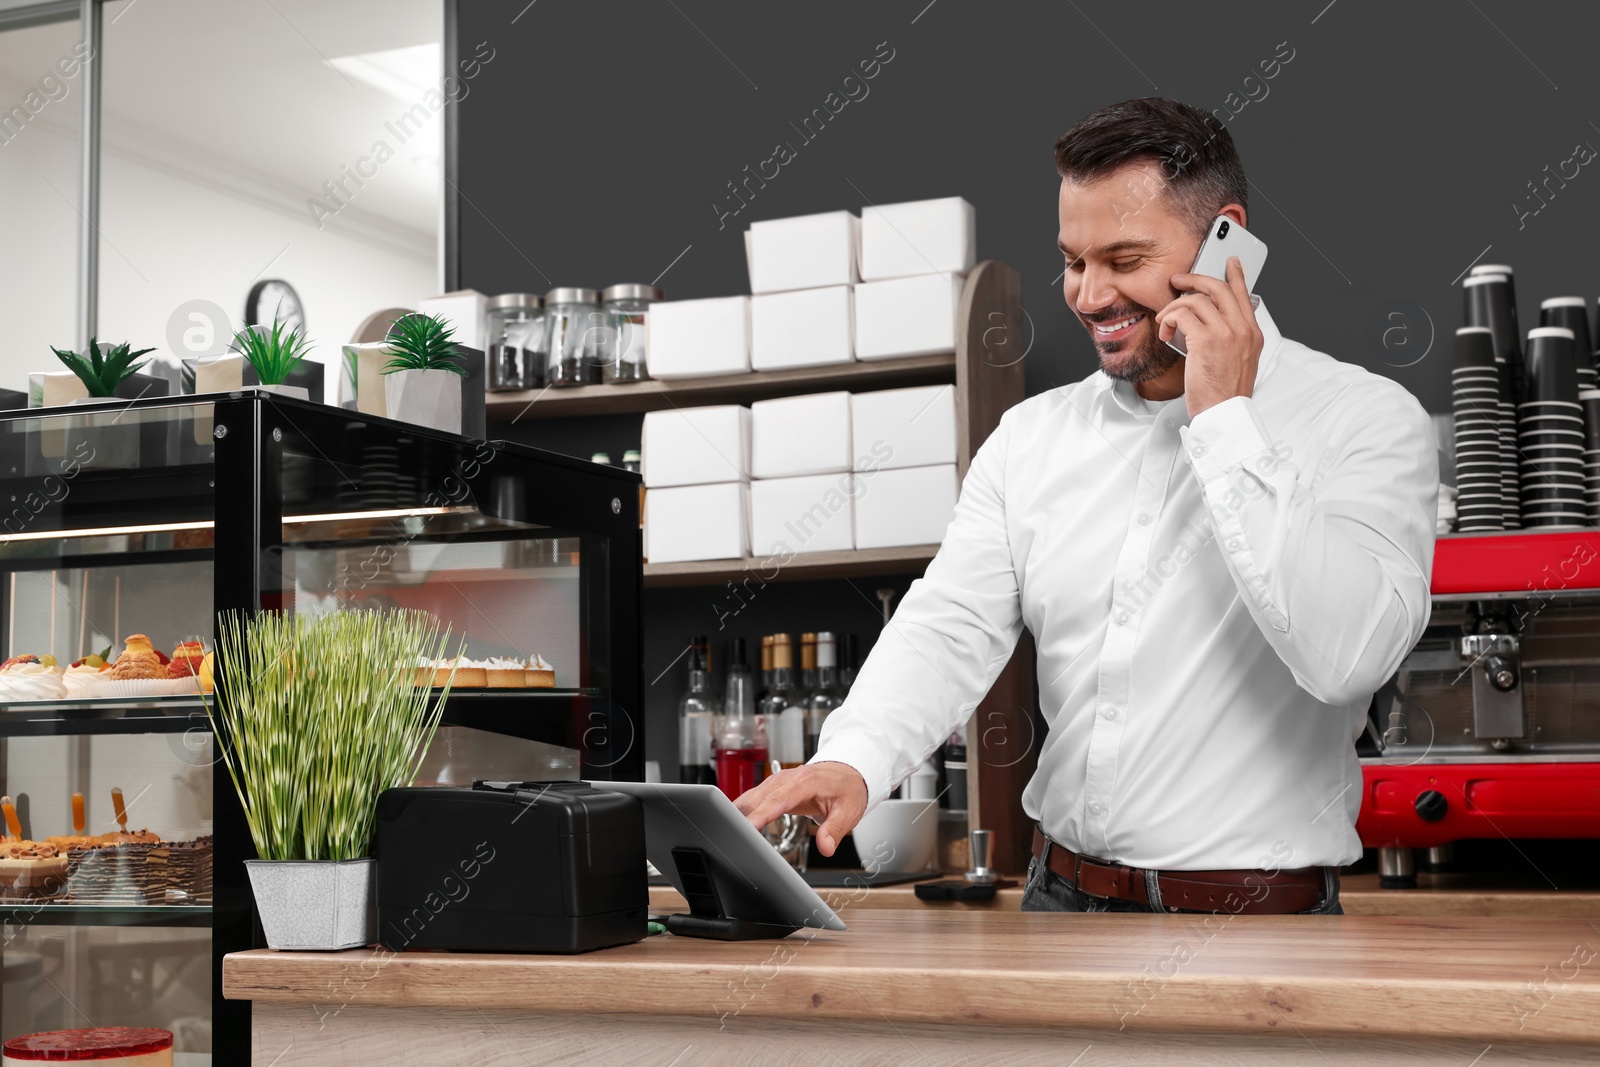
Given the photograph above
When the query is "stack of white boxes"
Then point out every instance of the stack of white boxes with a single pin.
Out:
(696, 470)
(825, 471)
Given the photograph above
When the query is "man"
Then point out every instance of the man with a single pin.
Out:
(1221, 557)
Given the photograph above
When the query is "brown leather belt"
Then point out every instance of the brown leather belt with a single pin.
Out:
(1241, 892)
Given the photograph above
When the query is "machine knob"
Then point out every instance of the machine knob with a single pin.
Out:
(1502, 674)
(1431, 805)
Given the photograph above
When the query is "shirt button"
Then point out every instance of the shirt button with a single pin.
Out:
(1144, 519)
(1110, 713)
(1172, 424)
(1122, 618)
(1198, 450)
(1232, 544)
(1096, 808)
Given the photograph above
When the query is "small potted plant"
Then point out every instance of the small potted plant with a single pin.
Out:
(112, 436)
(274, 354)
(315, 716)
(422, 380)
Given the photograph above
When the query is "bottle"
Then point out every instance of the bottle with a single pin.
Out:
(784, 707)
(766, 668)
(695, 712)
(633, 460)
(849, 662)
(826, 696)
(739, 735)
(808, 662)
(603, 458)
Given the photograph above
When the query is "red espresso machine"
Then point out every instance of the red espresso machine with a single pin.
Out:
(1491, 726)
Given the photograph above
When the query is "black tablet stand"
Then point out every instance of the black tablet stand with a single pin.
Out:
(706, 918)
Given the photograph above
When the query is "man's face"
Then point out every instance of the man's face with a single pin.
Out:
(1122, 245)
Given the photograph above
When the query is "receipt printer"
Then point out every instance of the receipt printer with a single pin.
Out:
(510, 867)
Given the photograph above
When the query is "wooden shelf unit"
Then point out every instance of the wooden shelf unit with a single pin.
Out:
(986, 371)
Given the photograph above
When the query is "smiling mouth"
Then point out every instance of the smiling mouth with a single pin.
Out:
(1112, 331)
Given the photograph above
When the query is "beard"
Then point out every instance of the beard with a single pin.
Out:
(1139, 360)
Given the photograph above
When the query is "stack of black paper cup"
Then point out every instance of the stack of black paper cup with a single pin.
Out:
(1475, 392)
(1590, 399)
(1572, 313)
(1550, 434)
(1491, 303)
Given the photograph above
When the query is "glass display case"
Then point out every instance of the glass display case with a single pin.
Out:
(125, 527)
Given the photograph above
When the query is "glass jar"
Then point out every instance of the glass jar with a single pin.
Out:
(624, 357)
(516, 341)
(574, 336)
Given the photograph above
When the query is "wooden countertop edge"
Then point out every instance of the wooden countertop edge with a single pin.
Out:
(790, 987)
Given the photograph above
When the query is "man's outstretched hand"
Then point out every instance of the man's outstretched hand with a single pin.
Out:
(834, 794)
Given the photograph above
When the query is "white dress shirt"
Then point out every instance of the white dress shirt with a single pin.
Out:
(1214, 604)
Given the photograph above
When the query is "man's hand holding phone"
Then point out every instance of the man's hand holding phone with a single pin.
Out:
(1223, 340)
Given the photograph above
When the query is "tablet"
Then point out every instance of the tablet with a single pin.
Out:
(722, 865)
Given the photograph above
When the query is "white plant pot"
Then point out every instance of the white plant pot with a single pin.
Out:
(299, 392)
(112, 436)
(318, 905)
(430, 398)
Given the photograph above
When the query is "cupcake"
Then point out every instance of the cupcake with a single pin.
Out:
(31, 678)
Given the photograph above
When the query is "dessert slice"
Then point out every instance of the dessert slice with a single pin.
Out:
(30, 870)
(539, 674)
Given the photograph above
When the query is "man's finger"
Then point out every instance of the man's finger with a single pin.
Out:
(1241, 291)
(832, 831)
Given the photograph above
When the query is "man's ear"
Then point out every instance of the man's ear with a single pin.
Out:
(1234, 212)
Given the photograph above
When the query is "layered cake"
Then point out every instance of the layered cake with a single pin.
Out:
(31, 870)
(114, 1046)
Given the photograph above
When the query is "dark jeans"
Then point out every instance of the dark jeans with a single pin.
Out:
(1045, 890)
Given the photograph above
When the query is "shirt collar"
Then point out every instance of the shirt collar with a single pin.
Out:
(1271, 339)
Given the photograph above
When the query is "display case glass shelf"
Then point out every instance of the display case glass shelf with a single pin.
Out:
(146, 520)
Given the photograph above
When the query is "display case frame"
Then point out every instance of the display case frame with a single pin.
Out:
(236, 482)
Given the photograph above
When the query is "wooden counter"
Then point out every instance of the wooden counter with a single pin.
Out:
(937, 986)
(1359, 894)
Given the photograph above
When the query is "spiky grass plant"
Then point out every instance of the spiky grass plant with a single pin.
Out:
(315, 716)
(101, 373)
(274, 355)
(422, 342)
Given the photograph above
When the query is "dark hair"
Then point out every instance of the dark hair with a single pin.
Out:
(1200, 166)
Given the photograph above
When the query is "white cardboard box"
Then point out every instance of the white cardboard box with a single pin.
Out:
(696, 446)
(794, 515)
(693, 522)
(804, 328)
(794, 435)
(467, 310)
(918, 237)
(895, 428)
(697, 338)
(907, 316)
(804, 252)
(911, 506)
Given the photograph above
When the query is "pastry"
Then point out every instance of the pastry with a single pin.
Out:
(539, 674)
(186, 660)
(31, 678)
(501, 673)
(139, 660)
(208, 666)
(85, 679)
(68, 842)
(31, 869)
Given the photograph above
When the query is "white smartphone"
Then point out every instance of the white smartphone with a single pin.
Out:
(1227, 238)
